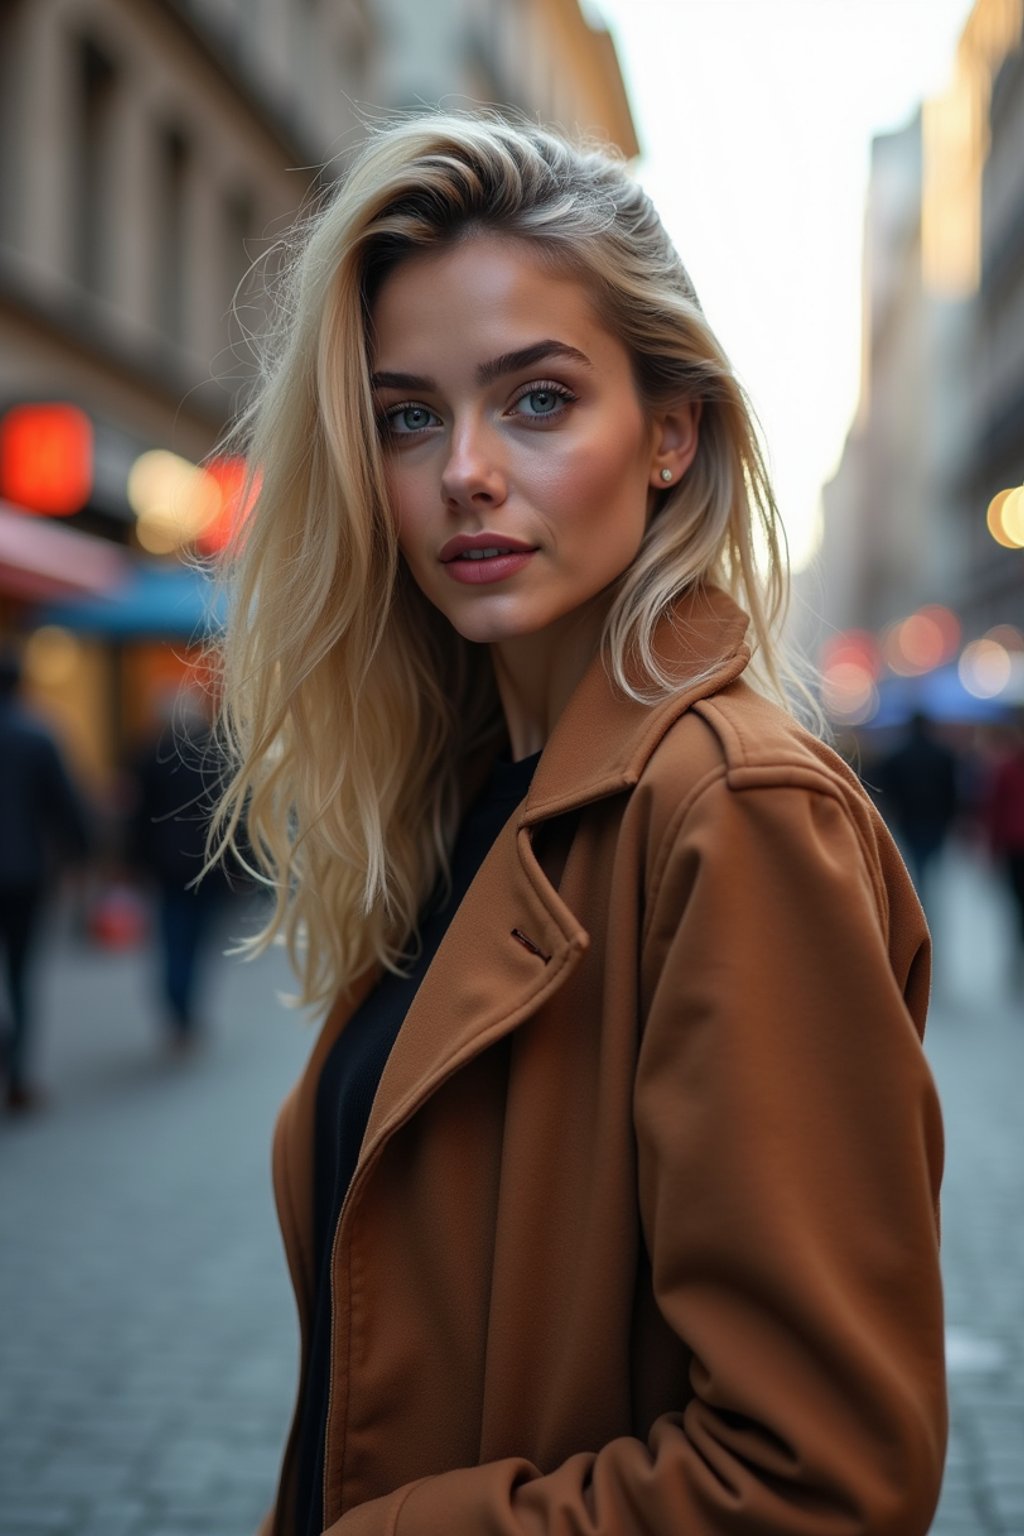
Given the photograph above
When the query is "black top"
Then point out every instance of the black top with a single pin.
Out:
(345, 1093)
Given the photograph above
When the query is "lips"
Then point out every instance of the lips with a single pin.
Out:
(485, 554)
(477, 547)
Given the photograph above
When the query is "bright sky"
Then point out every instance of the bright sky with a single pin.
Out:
(755, 118)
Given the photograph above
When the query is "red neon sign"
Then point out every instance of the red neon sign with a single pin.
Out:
(230, 476)
(46, 458)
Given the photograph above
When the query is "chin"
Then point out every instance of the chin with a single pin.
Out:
(492, 628)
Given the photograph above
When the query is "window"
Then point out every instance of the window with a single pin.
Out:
(92, 222)
(10, 147)
(239, 238)
(173, 170)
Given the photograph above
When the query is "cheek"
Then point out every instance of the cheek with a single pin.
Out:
(601, 483)
(406, 508)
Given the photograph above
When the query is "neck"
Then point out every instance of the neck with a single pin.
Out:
(536, 674)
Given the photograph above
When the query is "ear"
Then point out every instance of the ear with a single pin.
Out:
(676, 439)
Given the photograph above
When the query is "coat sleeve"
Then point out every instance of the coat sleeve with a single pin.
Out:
(789, 1152)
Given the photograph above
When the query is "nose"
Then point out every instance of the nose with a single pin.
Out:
(474, 475)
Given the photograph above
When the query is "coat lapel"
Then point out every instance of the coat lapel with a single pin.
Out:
(513, 941)
(510, 945)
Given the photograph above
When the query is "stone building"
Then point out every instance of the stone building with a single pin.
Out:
(940, 423)
(994, 574)
(150, 152)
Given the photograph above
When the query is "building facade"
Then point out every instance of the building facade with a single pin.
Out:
(152, 153)
(994, 574)
(940, 423)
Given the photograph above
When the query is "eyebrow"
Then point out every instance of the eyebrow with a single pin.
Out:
(508, 362)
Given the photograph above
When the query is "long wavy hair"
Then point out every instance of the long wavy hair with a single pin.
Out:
(350, 706)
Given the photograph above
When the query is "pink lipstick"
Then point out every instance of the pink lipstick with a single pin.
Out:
(479, 558)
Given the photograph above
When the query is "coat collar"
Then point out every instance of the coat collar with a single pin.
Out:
(484, 980)
(603, 738)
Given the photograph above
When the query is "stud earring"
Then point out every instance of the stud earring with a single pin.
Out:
(666, 475)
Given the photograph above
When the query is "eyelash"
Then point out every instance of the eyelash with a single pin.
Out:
(538, 387)
(546, 387)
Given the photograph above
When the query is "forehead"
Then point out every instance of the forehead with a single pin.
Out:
(484, 295)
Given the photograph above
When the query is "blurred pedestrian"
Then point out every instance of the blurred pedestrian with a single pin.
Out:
(1003, 814)
(178, 779)
(609, 1190)
(919, 797)
(42, 820)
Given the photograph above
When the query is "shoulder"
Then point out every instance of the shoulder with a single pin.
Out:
(741, 741)
(735, 774)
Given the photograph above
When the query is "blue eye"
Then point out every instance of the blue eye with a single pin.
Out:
(404, 420)
(542, 400)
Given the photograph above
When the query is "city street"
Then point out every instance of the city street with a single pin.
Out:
(147, 1351)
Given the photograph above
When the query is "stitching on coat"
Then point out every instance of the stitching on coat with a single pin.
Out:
(348, 1360)
(401, 1503)
(712, 776)
(811, 774)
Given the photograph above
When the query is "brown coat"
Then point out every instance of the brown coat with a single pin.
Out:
(643, 1237)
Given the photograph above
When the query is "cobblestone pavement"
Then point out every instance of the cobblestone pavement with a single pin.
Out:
(975, 1041)
(147, 1344)
(147, 1350)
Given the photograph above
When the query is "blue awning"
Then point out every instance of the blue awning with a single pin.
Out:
(155, 602)
(940, 695)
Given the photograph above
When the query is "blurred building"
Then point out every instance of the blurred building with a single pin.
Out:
(994, 574)
(150, 152)
(868, 549)
(940, 422)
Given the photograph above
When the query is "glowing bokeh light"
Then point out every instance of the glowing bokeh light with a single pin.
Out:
(237, 496)
(920, 642)
(985, 668)
(1008, 636)
(51, 656)
(172, 499)
(994, 518)
(949, 627)
(46, 458)
(1013, 517)
(854, 646)
(1005, 517)
(849, 693)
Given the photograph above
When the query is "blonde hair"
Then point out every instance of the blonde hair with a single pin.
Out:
(351, 707)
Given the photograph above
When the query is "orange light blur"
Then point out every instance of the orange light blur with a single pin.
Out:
(1005, 517)
(916, 644)
(854, 647)
(236, 502)
(46, 458)
(949, 627)
(1008, 636)
(849, 693)
(1013, 517)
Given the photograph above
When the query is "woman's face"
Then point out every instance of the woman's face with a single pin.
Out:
(520, 463)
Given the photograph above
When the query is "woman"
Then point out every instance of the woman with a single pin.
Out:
(620, 1217)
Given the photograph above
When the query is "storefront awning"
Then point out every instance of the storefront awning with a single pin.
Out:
(940, 695)
(153, 602)
(41, 561)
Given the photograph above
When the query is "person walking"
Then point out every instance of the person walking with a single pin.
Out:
(1003, 819)
(178, 779)
(919, 796)
(609, 1191)
(41, 819)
